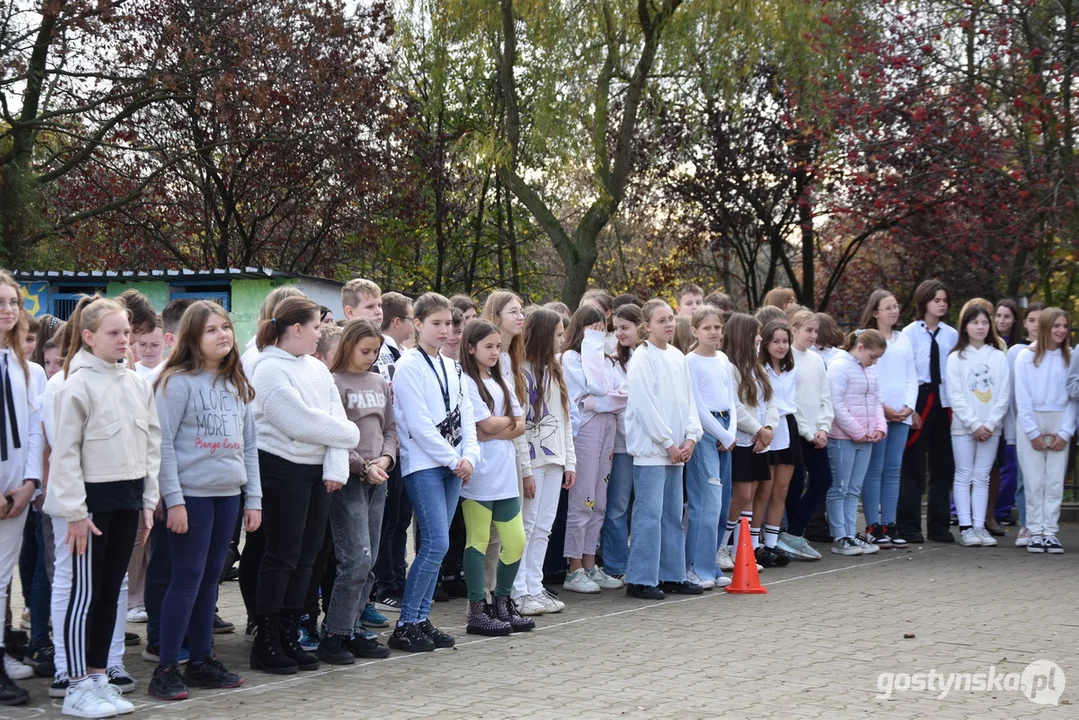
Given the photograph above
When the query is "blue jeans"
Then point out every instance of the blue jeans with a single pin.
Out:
(880, 491)
(614, 537)
(708, 474)
(434, 494)
(658, 551)
(849, 461)
(40, 590)
(197, 558)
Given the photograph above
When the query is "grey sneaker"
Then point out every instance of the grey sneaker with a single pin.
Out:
(845, 546)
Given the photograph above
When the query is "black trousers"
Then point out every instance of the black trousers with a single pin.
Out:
(929, 452)
(250, 562)
(323, 576)
(390, 566)
(295, 506)
(95, 587)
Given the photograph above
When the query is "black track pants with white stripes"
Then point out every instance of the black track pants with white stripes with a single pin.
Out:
(95, 587)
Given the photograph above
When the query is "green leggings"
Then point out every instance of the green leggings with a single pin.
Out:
(478, 515)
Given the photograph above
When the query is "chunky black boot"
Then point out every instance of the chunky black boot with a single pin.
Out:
(10, 693)
(507, 612)
(290, 641)
(333, 650)
(267, 652)
(482, 622)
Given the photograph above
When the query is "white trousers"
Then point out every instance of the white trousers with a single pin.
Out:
(1043, 479)
(970, 490)
(61, 596)
(10, 544)
(538, 514)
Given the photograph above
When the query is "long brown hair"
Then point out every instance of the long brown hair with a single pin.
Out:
(764, 358)
(89, 312)
(475, 331)
(186, 356)
(871, 306)
(49, 326)
(492, 309)
(584, 316)
(354, 330)
(970, 313)
(540, 351)
(16, 337)
(629, 313)
(1045, 325)
(740, 347)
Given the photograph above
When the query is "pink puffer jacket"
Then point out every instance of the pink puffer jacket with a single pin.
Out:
(856, 399)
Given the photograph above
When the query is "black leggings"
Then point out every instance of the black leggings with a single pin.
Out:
(95, 588)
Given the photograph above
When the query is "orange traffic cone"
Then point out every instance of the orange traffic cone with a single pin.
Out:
(746, 580)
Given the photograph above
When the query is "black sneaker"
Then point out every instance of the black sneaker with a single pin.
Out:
(878, 535)
(1052, 544)
(439, 638)
(222, 627)
(42, 659)
(166, 683)
(681, 588)
(211, 674)
(410, 638)
(783, 558)
(251, 629)
(365, 645)
(121, 679)
(942, 536)
(58, 689)
(893, 532)
(644, 592)
(10, 693)
(440, 594)
(388, 604)
(332, 649)
(132, 639)
(765, 557)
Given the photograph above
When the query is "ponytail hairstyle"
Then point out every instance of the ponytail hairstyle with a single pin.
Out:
(186, 356)
(49, 325)
(353, 331)
(871, 306)
(828, 335)
(476, 331)
(586, 314)
(492, 310)
(764, 358)
(1046, 321)
(290, 311)
(16, 337)
(869, 339)
(140, 312)
(970, 312)
(89, 312)
(740, 347)
(630, 313)
(540, 351)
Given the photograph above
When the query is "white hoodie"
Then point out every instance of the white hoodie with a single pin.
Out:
(661, 412)
(1042, 388)
(980, 389)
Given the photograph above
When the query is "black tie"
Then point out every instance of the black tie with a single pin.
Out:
(8, 412)
(934, 358)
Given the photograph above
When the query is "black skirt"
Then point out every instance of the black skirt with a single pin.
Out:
(748, 466)
(791, 455)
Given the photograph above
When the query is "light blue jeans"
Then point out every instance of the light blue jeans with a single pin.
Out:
(658, 551)
(614, 537)
(708, 477)
(434, 494)
(848, 461)
(880, 491)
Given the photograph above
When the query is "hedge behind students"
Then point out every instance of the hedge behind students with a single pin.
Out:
(981, 392)
(102, 477)
(209, 453)
(303, 440)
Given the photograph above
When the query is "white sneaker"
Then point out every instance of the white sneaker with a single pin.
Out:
(986, 537)
(866, 547)
(722, 581)
(1023, 538)
(86, 701)
(16, 670)
(970, 538)
(529, 606)
(692, 577)
(24, 622)
(554, 605)
(579, 582)
(137, 614)
(845, 546)
(605, 581)
(111, 694)
(724, 559)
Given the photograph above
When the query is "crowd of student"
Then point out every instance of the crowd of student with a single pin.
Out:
(323, 441)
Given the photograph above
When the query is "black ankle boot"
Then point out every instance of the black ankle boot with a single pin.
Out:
(267, 652)
(507, 612)
(290, 642)
(10, 693)
(482, 620)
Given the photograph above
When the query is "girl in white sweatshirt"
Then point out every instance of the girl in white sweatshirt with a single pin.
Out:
(303, 443)
(1046, 420)
(551, 454)
(439, 450)
(708, 473)
(978, 375)
(662, 430)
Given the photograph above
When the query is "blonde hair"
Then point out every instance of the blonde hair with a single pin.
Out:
(802, 318)
(357, 288)
(492, 308)
(276, 295)
(870, 339)
(16, 337)
(327, 336)
(89, 313)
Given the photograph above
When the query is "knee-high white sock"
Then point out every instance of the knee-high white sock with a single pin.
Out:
(756, 533)
(732, 526)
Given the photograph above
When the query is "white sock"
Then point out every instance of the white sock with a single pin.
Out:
(756, 533)
(732, 527)
(771, 536)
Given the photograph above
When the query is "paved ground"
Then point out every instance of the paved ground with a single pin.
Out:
(814, 647)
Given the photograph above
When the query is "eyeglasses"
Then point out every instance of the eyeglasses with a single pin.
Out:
(15, 304)
(515, 313)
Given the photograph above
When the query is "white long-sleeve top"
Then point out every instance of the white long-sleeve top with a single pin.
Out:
(812, 393)
(981, 389)
(520, 444)
(299, 415)
(27, 391)
(620, 380)
(589, 379)
(752, 418)
(418, 408)
(1010, 416)
(714, 392)
(661, 412)
(548, 428)
(897, 375)
(921, 341)
(1042, 388)
(784, 392)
